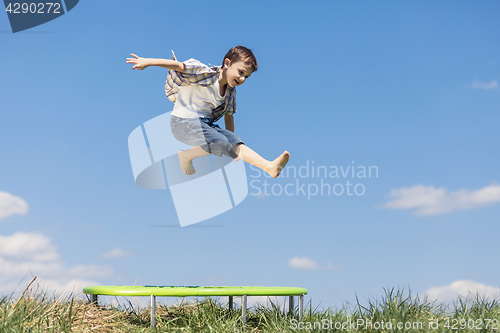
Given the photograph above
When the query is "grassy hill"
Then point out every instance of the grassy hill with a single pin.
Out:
(397, 311)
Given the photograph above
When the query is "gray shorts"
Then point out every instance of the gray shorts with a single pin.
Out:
(204, 133)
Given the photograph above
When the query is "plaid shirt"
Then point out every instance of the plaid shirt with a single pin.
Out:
(199, 74)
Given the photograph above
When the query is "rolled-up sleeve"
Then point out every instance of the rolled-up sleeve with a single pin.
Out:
(195, 73)
(231, 109)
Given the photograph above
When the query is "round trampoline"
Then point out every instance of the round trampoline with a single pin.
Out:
(183, 291)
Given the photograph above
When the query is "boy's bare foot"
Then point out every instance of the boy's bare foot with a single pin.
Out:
(186, 164)
(278, 164)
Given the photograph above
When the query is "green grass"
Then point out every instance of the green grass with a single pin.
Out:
(40, 313)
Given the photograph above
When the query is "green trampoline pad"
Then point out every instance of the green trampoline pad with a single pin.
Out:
(182, 291)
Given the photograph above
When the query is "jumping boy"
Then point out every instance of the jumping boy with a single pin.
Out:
(202, 95)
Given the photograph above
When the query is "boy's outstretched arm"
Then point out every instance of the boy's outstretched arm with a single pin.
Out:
(141, 63)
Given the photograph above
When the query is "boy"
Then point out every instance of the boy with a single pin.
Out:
(202, 95)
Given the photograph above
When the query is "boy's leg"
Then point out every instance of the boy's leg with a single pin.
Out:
(273, 168)
(186, 158)
(221, 141)
(197, 133)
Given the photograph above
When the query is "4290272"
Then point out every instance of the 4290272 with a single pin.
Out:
(471, 324)
(34, 8)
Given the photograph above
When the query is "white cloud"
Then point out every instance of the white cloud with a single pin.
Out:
(89, 271)
(32, 246)
(116, 254)
(24, 254)
(462, 288)
(310, 265)
(303, 263)
(333, 267)
(16, 269)
(65, 286)
(11, 205)
(427, 200)
(485, 86)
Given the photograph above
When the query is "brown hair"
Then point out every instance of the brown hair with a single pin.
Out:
(241, 53)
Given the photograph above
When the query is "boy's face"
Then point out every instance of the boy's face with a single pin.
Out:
(237, 72)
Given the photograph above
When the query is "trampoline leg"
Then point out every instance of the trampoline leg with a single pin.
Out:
(153, 310)
(301, 306)
(230, 303)
(290, 305)
(244, 309)
(93, 300)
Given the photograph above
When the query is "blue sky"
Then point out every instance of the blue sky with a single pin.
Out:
(409, 87)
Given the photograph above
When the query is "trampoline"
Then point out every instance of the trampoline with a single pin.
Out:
(183, 291)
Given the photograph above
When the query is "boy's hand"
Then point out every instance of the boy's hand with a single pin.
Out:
(140, 63)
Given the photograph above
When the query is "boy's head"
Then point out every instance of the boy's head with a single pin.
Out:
(241, 53)
(238, 64)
